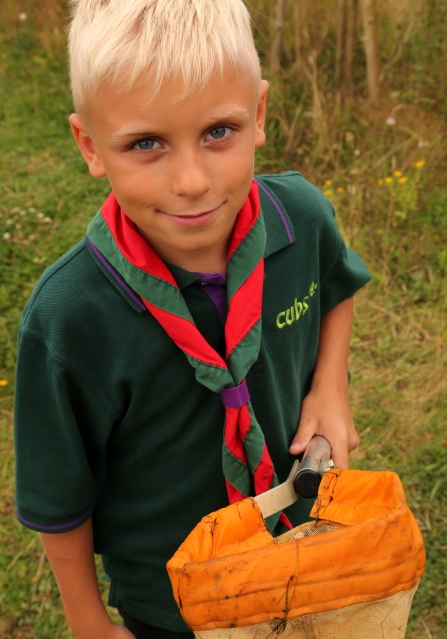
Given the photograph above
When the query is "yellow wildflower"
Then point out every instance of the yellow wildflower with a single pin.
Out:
(380, 182)
(328, 193)
(328, 182)
(403, 179)
(398, 173)
(4, 382)
(340, 189)
(388, 180)
(419, 164)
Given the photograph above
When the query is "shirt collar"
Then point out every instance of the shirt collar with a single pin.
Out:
(279, 229)
(216, 279)
(185, 278)
(182, 277)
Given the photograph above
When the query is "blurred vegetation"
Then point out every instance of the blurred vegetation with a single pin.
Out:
(383, 167)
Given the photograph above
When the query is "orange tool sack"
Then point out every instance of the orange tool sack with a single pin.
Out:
(351, 573)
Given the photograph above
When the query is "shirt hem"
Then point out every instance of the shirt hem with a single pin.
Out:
(154, 617)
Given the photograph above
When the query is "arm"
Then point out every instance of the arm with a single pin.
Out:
(325, 410)
(72, 560)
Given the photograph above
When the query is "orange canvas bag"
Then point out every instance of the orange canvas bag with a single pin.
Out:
(350, 573)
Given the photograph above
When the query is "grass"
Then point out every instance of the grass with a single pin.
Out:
(398, 355)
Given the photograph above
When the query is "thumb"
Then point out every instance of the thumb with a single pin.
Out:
(306, 430)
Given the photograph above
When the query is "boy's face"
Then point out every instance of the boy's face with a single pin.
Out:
(180, 170)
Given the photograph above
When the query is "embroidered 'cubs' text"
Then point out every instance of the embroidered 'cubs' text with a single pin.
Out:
(295, 312)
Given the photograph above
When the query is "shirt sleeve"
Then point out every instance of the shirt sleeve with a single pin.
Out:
(61, 431)
(341, 270)
(345, 277)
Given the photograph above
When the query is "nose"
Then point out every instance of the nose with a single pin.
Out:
(190, 177)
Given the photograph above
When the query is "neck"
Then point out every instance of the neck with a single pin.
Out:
(209, 259)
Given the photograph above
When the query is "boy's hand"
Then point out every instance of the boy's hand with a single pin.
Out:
(326, 412)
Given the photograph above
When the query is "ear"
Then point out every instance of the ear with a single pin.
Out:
(260, 114)
(87, 147)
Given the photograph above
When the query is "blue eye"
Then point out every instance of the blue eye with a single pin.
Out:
(146, 145)
(218, 133)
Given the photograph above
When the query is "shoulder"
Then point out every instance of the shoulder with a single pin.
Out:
(292, 203)
(58, 289)
(300, 199)
(73, 295)
(54, 281)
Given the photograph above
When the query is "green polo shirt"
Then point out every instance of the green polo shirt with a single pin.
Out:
(110, 420)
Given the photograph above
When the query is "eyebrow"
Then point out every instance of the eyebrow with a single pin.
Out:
(124, 134)
(238, 113)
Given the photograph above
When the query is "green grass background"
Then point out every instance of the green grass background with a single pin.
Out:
(398, 359)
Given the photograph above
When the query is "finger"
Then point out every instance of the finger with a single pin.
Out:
(340, 454)
(306, 430)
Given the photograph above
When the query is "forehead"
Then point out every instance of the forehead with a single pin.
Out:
(228, 97)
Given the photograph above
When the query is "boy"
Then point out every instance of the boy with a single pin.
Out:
(118, 434)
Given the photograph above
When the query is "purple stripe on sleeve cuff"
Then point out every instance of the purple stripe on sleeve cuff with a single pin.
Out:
(60, 526)
(278, 208)
(113, 273)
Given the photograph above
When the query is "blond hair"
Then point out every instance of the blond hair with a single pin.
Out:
(115, 42)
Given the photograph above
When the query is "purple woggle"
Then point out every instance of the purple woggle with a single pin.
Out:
(235, 397)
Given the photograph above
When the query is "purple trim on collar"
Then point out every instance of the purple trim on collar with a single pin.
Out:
(60, 526)
(116, 277)
(215, 286)
(235, 397)
(278, 208)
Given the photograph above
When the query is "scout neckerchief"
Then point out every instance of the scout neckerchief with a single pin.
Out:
(245, 455)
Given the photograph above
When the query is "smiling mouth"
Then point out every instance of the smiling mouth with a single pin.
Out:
(193, 220)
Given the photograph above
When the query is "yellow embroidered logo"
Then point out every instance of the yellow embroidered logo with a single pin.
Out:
(298, 310)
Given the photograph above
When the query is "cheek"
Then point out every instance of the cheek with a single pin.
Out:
(236, 168)
(133, 182)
